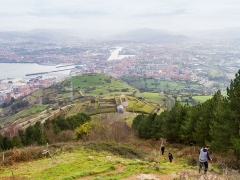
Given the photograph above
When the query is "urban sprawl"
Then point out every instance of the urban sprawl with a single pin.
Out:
(209, 63)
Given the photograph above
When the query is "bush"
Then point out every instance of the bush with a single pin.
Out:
(22, 155)
(230, 164)
(124, 150)
(191, 161)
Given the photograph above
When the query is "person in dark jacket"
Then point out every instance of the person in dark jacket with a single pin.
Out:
(162, 149)
(170, 156)
(204, 156)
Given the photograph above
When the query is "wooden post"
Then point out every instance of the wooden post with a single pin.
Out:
(3, 158)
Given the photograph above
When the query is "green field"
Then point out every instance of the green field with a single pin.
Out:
(25, 113)
(201, 99)
(155, 98)
(99, 84)
(159, 85)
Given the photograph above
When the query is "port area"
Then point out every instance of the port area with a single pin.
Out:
(39, 73)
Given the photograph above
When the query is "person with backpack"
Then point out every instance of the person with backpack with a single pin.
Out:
(170, 156)
(204, 156)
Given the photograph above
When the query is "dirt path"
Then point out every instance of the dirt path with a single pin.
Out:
(138, 176)
(151, 176)
(119, 169)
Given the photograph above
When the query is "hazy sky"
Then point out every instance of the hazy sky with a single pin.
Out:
(119, 15)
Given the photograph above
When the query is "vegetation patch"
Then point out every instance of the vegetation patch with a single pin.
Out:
(201, 99)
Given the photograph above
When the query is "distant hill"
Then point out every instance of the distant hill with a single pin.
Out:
(150, 35)
(225, 33)
(36, 35)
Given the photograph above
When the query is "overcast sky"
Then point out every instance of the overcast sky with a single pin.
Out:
(119, 15)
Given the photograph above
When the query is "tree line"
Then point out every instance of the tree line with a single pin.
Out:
(48, 132)
(215, 122)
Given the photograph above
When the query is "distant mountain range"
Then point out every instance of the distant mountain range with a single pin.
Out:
(138, 35)
(225, 33)
(150, 35)
(35, 35)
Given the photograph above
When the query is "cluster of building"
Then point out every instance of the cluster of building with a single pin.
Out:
(189, 61)
(20, 87)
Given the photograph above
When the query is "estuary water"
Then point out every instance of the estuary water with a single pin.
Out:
(19, 70)
(115, 54)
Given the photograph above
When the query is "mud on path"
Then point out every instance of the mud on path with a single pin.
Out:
(138, 176)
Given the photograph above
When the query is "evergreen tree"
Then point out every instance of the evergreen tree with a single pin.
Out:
(137, 120)
(173, 122)
(202, 126)
(233, 93)
(220, 126)
(16, 142)
(7, 143)
(188, 126)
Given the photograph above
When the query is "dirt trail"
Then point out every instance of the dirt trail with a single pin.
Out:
(119, 169)
(138, 176)
(151, 176)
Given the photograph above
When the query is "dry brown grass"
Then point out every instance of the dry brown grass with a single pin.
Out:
(190, 175)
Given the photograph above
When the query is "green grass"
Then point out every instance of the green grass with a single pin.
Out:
(179, 98)
(148, 108)
(155, 98)
(92, 162)
(201, 99)
(37, 93)
(158, 85)
(26, 112)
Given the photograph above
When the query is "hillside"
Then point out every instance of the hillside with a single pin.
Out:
(91, 94)
(105, 161)
(83, 137)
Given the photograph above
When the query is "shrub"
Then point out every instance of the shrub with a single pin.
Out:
(66, 136)
(124, 150)
(191, 161)
(22, 155)
(230, 164)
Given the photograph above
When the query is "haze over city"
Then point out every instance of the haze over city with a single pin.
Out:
(108, 17)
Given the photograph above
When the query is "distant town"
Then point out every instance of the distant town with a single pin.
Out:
(210, 63)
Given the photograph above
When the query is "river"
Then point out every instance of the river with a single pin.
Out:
(115, 54)
(19, 70)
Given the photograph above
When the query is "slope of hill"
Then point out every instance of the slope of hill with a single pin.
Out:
(105, 161)
(91, 94)
(37, 35)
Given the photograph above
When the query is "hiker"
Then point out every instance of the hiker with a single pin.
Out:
(170, 156)
(162, 149)
(203, 158)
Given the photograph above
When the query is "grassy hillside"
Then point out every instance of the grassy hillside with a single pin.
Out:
(108, 160)
(99, 84)
(92, 94)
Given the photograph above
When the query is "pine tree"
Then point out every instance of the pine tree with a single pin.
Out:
(233, 93)
(220, 128)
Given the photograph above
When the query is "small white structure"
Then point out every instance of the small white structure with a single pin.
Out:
(125, 104)
(120, 108)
